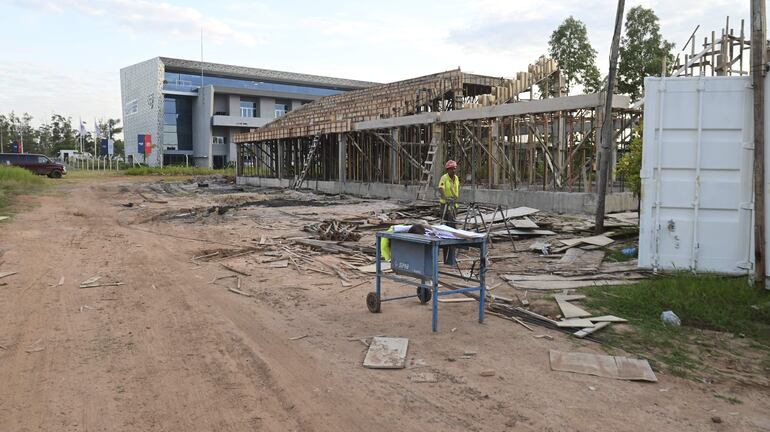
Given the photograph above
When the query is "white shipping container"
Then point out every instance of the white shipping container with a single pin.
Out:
(697, 204)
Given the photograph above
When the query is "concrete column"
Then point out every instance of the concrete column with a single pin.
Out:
(266, 107)
(495, 151)
(280, 159)
(394, 156)
(342, 157)
(202, 112)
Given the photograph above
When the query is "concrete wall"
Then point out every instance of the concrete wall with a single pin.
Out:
(221, 103)
(141, 84)
(555, 202)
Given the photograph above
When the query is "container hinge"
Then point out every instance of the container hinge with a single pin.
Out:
(748, 145)
(746, 206)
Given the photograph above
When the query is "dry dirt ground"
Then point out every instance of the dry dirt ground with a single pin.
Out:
(170, 351)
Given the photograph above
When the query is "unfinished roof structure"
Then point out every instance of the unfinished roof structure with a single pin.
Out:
(515, 133)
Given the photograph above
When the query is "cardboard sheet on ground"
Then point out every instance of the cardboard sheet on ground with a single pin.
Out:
(602, 365)
(386, 353)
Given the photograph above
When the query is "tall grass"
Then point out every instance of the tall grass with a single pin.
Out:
(174, 170)
(16, 181)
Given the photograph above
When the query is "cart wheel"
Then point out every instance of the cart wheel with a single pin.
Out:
(373, 302)
(424, 294)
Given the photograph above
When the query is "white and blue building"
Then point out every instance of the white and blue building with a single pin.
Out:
(182, 111)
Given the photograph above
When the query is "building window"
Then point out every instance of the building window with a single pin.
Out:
(132, 107)
(282, 107)
(218, 140)
(248, 109)
(177, 123)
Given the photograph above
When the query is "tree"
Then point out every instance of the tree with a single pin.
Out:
(630, 165)
(642, 50)
(576, 57)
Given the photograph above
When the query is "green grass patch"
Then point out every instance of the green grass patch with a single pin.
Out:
(16, 181)
(702, 302)
(176, 171)
(730, 399)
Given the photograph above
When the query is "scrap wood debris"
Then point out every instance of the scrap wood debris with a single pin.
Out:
(333, 230)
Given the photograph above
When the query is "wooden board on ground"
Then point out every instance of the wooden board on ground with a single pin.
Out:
(386, 353)
(576, 259)
(372, 268)
(552, 283)
(522, 232)
(456, 300)
(607, 318)
(575, 322)
(523, 223)
(508, 214)
(599, 240)
(568, 309)
(588, 330)
(602, 365)
(279, 264)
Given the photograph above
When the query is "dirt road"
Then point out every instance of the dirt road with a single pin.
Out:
(170, 351)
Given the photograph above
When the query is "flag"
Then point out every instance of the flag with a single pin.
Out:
(82, 128)
(109, 130)
(140, 143)
(97, 132)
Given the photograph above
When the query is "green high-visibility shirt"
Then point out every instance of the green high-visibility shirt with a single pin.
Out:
(451, 187)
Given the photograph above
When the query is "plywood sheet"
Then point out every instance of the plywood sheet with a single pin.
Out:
(568, 309)
(386, 353)
(575, 322)
(607, 318)
(602, 365)
(523, 223)
(517, 212)
(599, 240)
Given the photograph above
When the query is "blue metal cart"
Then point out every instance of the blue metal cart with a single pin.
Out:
(417, 257)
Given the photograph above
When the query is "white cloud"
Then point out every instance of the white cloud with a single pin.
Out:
(152, 18)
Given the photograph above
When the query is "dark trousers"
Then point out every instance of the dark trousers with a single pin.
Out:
(448, 213)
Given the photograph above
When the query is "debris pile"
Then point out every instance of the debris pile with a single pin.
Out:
(333, 230)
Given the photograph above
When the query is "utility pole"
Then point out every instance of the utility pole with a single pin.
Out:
(758, 72)
(606, 131)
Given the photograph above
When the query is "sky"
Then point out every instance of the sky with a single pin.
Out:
(65, 56)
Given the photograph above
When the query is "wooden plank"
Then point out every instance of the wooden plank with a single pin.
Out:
(607, 318)
(508, 214)
(456, 300)
(587, 331)
(5, 274)
(568, 309)
(386, 353)
(602, 365)
(372, 268)
(598, 240)
(524, 223)
(575, 322)
(279, 264)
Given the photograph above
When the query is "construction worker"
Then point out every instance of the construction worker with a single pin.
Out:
(449, 191)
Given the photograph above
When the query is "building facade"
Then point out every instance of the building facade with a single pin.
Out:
(187, 112)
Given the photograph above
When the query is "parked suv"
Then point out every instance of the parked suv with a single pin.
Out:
(38, 164)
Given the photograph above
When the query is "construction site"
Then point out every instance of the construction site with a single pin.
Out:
(517, 141)
(262, 300)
